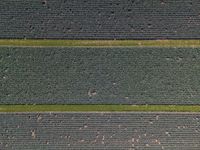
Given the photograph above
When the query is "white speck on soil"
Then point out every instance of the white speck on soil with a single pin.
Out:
(39, 118)
(103, 138)
(147, 145)
(33, 134)
(167, 133)
(150, 122)
(81, 141)
(92, 92)
(157, 117)
(179, 59)
(168, 59)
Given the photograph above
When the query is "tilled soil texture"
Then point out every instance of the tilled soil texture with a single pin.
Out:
(99, 75)
(120, 131)
(100, 19)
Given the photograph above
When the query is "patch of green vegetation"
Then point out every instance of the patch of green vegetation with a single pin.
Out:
(99, 108)
(101, 43)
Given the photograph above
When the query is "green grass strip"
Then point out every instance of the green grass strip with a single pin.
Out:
(99, 108)
(101, 43)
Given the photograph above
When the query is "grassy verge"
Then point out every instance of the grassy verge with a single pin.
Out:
(101, 43)
(99, 108)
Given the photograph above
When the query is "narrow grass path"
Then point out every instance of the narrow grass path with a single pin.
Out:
(100, 43)
(99, 108)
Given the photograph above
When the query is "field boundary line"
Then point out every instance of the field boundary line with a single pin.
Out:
(99, 108)
(98, 43)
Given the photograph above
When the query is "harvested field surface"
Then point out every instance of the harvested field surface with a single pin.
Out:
(99, 75)
(100, 19)
(59, 131)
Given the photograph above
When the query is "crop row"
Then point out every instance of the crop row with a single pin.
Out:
(99, 75)
(99, 19)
